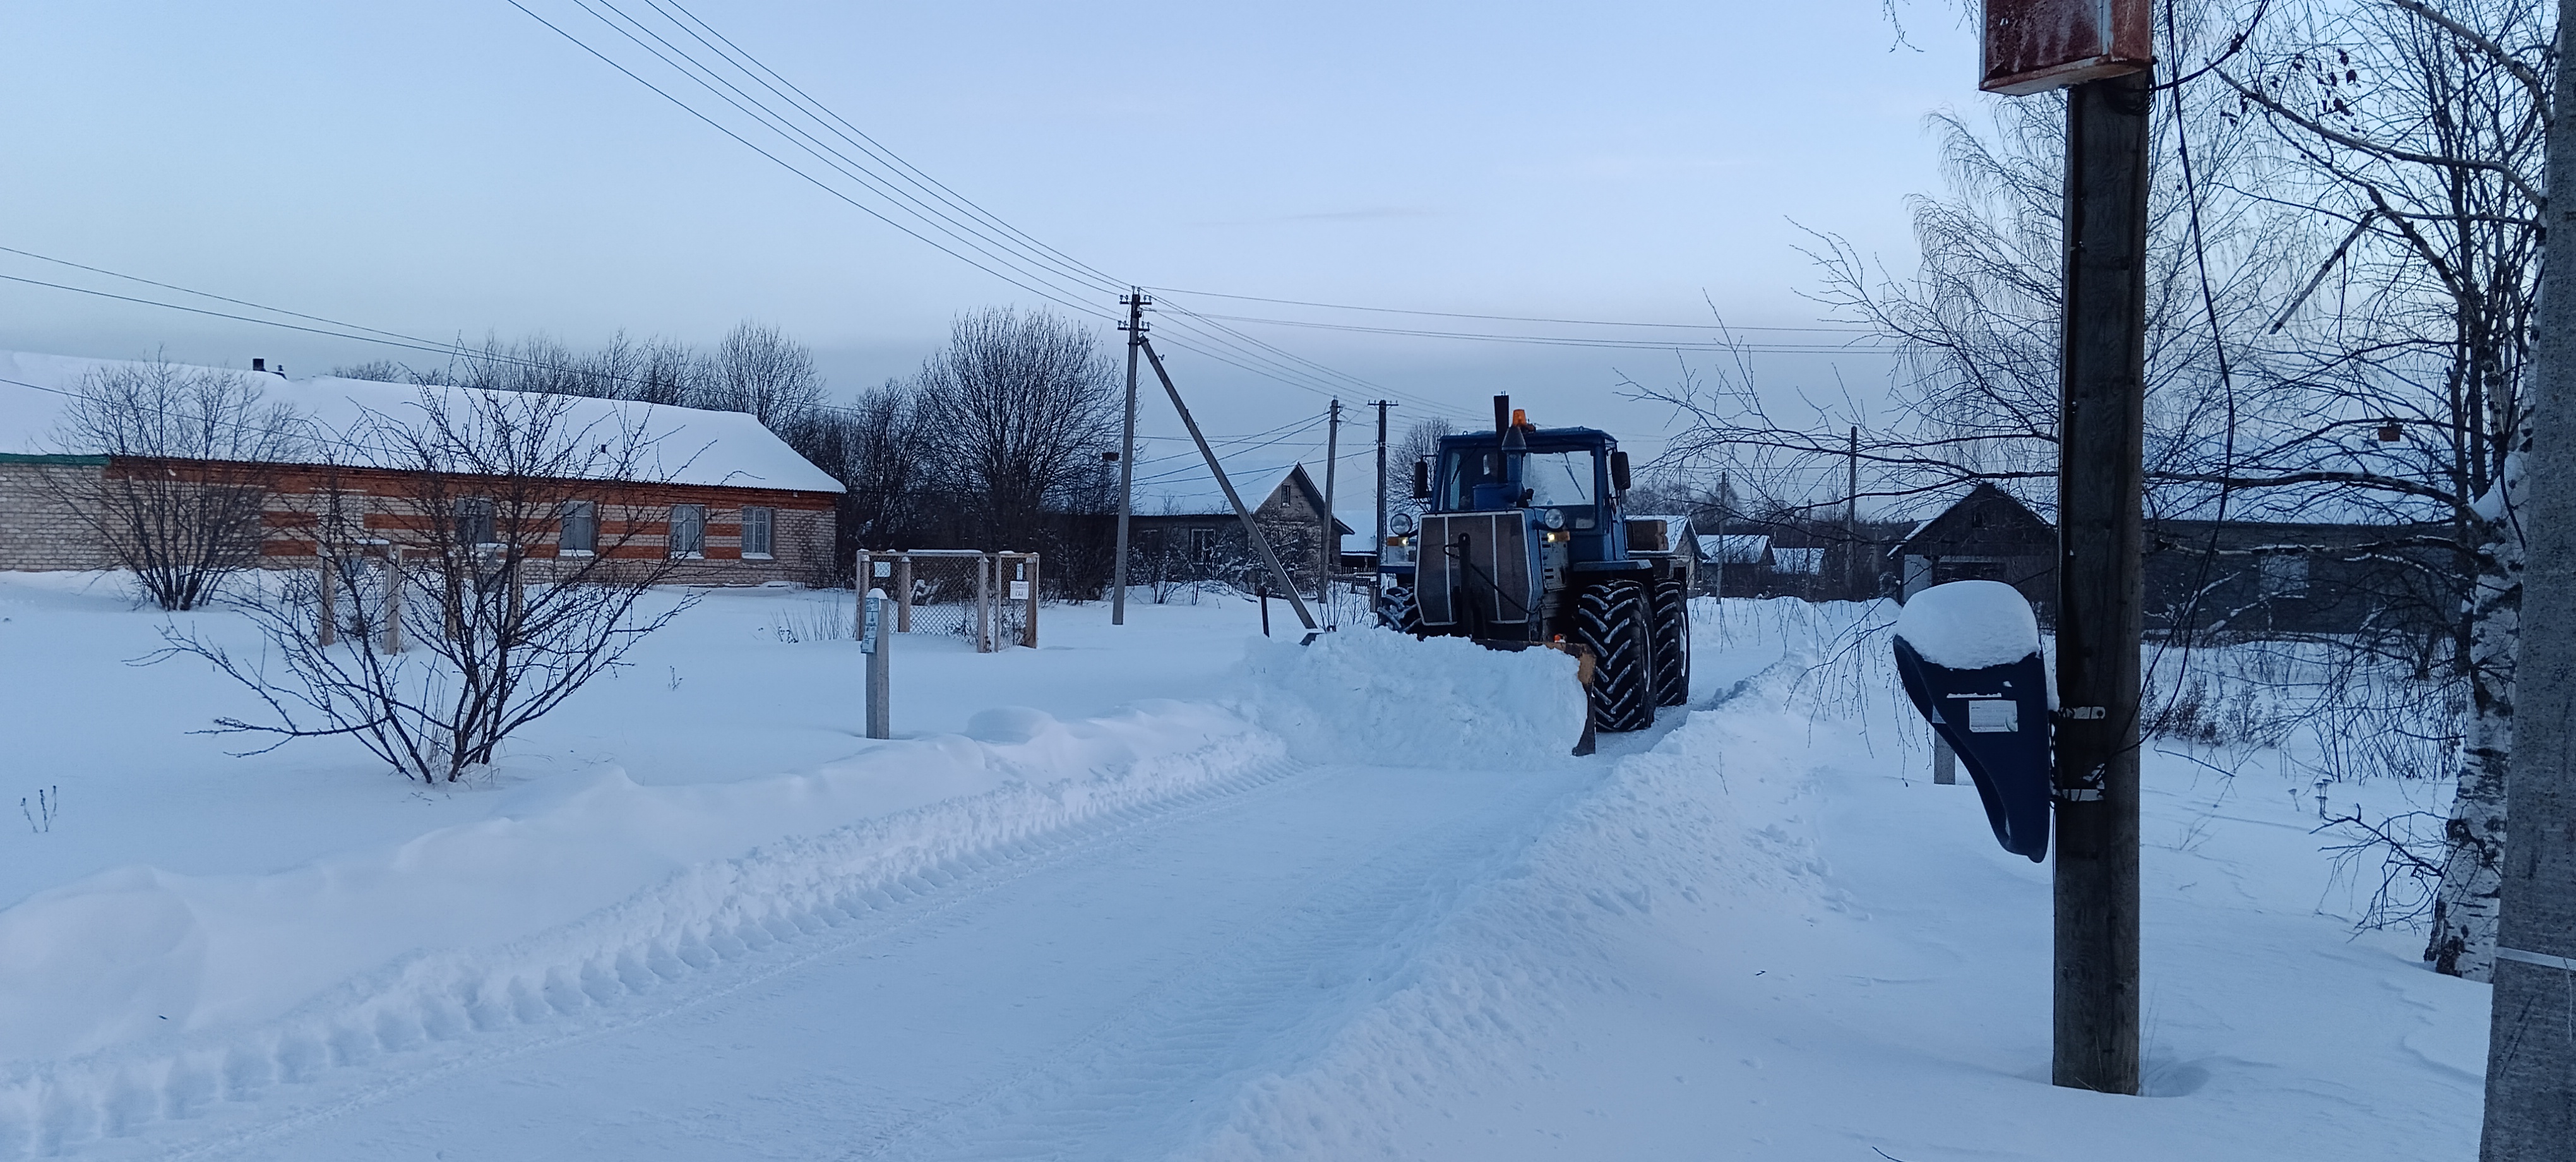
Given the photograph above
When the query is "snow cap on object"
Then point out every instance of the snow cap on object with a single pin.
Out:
(1969, 625)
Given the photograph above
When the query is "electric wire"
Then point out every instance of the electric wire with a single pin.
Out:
(1506, 318)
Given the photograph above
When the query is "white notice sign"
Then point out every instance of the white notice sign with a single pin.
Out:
(1994, 716)
(1019, 590)
(883, 569)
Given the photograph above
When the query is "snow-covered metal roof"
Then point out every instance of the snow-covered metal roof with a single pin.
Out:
(687, 445)
(1734, 548)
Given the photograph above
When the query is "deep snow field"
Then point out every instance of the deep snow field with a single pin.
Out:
(1166, 890)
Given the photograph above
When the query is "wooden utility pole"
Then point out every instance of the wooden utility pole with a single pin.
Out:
(1377, 547)
(2531, 1042)
(1135, 302)
(2100, 602)
(1851, 521)
(1328, 547)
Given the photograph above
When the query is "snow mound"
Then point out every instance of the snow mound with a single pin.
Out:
(1375, 697)
(577, 887)
(1969, 625)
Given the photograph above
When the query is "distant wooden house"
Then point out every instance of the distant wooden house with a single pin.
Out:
(1737, 564)
(2279, 577)
(1183, 528)
(1987, 535)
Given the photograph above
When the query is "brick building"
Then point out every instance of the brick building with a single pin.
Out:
(714, 491)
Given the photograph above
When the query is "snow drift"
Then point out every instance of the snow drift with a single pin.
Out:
(1375, 697)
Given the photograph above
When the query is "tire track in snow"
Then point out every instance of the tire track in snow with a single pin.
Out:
(705, 934)
(1237, 1011)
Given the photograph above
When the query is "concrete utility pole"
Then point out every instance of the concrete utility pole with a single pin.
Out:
(1328, 548)
(1135, 302)
(1377, 548)
(2531, 1042)
(2100, 602)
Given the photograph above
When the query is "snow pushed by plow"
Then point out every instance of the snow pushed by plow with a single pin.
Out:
(139, 1005)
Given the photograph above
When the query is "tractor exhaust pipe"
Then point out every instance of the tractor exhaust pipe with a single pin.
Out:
(1502, 416)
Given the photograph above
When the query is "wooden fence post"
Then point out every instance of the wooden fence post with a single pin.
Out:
(984, 570)
(903, 593)
(393, 642)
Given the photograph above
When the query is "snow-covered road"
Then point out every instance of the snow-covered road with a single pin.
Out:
(1154, 892)
(1096, 999)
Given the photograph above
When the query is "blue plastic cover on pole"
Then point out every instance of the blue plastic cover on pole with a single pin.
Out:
(1969, 656)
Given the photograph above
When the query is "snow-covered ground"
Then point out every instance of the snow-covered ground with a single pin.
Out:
(1160, 890)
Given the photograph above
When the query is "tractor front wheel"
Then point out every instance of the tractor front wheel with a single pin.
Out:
(1610, 619)
(1399, 612)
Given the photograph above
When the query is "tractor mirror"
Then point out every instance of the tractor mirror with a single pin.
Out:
(1619, 471)
(1422, 480)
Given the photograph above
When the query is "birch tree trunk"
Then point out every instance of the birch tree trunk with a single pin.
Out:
(2464, 906)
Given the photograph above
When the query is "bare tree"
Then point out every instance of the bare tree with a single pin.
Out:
(2420, 128)
(191, 452)
(451, 530)
(2342, 248)
(758, 369)
(1420, 442)
(1022, 406)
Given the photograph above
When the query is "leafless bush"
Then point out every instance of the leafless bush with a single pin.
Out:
(469, 492)
(192, 450)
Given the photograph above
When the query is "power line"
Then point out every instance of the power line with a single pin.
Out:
(1570, 341)
(1214, 341)
(1507, 318)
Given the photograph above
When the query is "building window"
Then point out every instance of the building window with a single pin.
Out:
(689, 530)
(759, 526)
(1202, 544)
(580, 535)
(474, 522)
(2283, 574)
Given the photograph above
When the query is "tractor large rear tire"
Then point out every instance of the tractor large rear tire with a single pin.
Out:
(1399, 612)
(1672, 643)
(1610, 619)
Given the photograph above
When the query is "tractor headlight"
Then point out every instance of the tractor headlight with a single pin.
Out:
(1554, 519)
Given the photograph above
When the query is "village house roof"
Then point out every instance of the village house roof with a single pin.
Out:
(1735, 548)
(1176, 482)
(687, 445)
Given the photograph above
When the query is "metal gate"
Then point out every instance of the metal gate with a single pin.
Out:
(990, 599)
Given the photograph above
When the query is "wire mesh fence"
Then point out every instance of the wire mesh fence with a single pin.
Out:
(989, 599)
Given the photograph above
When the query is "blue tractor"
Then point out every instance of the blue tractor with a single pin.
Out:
(1523, 543)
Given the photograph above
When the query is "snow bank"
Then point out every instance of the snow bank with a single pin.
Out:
(1969, 625)
(207, 984)
(1647, 840)
(1374, 697)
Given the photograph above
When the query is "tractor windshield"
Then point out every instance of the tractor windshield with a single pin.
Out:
(1554, 480)
(1559, 479)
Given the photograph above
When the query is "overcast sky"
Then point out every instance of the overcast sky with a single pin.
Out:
(458, 168)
